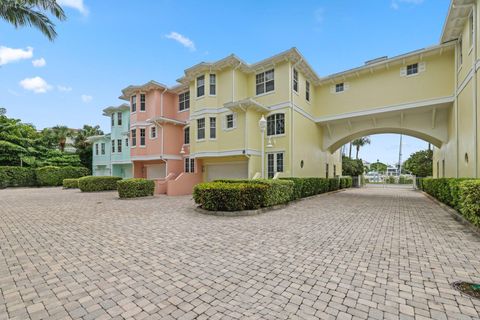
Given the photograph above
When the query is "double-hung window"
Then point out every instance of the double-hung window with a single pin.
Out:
(200, 86)
(295, 80)
(213, 84)
(213, 128)
(307, 90)
(96, 149)
(265, 82)
(186, 135)
(274, 163)
(134, 103)
(119, 145)
(153, 132)
(102, 148)
(134, 137)
(142, 102)
(189, 165)
(412, 69)
(230, 121)
(119, 118)
(113, 146)
(201, 129)
(142, 137)
(184, 101)
(113, 119)
(276, 124)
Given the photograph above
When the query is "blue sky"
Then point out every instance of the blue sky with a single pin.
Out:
(107, 45)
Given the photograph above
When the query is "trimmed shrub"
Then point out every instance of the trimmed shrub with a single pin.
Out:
(53, 176)
(98, 183)
(346, 182)
(16, 177)
(70, 183)
(135, 187)
(236, 195)
(470, 201)
(334, 184)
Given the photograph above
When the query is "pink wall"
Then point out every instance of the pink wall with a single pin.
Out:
(183, 184)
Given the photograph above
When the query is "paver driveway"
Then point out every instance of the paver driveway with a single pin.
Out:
(371, 253)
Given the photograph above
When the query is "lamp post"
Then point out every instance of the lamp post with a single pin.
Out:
(262, 123)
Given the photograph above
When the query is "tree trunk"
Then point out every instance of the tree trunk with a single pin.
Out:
(358, 149)
(350, 152)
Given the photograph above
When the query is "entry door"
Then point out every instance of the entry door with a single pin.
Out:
(274, 164)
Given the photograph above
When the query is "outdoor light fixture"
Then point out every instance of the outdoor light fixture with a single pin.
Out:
(269, 143)
(182, 151)
(262, 123)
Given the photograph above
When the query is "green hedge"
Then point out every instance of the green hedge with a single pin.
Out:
(306, 187)
(463, 194)
(236, 195)
(135, 187)
(17, 177)
(70, 183)
(53, 176)
(98, 183)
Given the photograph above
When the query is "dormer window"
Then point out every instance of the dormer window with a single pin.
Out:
(340, 87)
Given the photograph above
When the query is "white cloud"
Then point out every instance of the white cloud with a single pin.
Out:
(74, 4)
(38, 63)
(36, 84)
(86, 98)
(8, 55)
(64, 88)
(184, 41)
(395, 4)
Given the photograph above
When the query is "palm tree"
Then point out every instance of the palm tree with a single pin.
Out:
(32, 13)
(61, 133)
(360, 142)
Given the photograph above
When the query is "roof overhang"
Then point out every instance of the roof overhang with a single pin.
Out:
(163, 120)
(243, 105)
(457, 16)
(109, 110)
(98, 137)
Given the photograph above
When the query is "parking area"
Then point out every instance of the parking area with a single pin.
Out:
(372, 253)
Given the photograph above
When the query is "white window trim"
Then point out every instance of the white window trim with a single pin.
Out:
(275, 169)
(131, 103)
(186, 144)
(225, 128)
(212, 95)
(189, 99)
(140, 138)
(333, 88)
(422, 67)
(156, 132)
(264, 82)
(309, 101)
(204, 87)
(204, 130)
(209, 128)
(140, 102)
(284, 126)
(293, 81)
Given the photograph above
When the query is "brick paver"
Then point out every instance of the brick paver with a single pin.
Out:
(359, 254)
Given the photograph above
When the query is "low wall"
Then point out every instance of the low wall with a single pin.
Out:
(183, 184)
(161, 184)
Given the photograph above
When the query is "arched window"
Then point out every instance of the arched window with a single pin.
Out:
(276, 124)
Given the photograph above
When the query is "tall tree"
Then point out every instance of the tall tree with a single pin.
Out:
(60, 134)
(360, 142)
(420, 163)
(34, 13)
(379, 167)
(83, 146)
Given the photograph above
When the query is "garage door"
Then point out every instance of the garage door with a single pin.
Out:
(155, 171)
(227, 171)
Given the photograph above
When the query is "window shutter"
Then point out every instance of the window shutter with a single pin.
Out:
(224, 122)
(346, 86)
(332, 89)
(234, 119)
(422, 66)
(403, 71)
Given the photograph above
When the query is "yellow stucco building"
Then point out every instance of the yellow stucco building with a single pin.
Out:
(431, 93)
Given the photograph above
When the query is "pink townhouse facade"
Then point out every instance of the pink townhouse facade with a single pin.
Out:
(159, 136)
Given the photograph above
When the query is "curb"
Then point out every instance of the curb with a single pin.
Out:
(457, 216)
(245, 213)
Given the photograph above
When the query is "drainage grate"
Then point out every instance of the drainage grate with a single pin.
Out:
(470, 289)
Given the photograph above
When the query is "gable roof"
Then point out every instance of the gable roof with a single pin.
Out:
(457, 16)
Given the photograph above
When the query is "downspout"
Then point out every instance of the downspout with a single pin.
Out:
(475, 111)
(161, 114)
(455, 106)
(292, 111)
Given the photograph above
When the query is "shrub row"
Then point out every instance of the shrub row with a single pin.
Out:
(236, 195)
(306, 187)
(134, 188)
(98, 183)
(462, 194)
(70, 183)
(44, 176)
